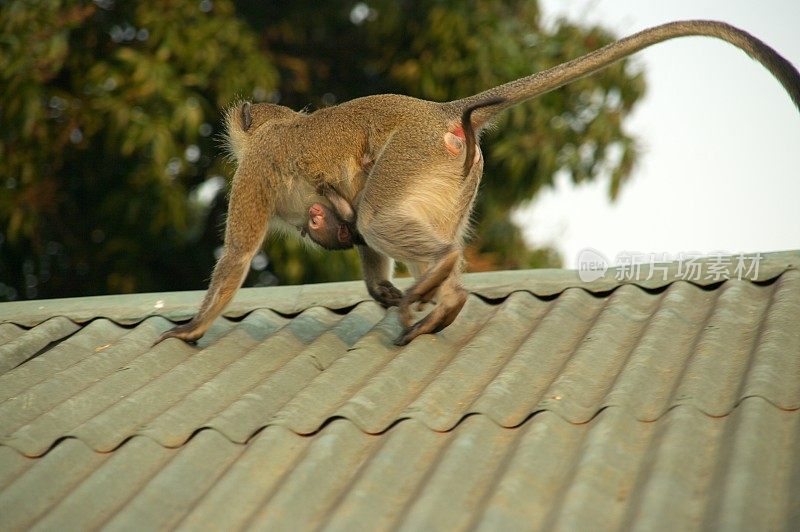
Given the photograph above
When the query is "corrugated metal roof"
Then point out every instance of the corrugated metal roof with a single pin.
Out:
(557, 404)
(685, 471)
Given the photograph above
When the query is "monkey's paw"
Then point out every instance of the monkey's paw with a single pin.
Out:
(386, 294)
(440, 317)
(434, 322)
(187, 332)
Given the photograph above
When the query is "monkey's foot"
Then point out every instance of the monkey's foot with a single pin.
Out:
(414, 300)
(187, 332)
(440, 317)
(427, 298)
(386, 294)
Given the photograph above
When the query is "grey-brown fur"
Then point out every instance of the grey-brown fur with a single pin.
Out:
(415, 196)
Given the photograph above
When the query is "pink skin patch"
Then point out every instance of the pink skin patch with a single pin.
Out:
(317, 216)
(452, 144)
(454, 141)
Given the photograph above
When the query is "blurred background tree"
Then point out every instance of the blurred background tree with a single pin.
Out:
(111, 165)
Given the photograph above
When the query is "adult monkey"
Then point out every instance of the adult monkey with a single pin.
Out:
(396, 152)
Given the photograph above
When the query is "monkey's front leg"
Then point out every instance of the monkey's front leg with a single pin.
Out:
(377, 271)
(229, 273)
(249, 209)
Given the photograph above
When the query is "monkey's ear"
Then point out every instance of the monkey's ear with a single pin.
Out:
(247, 117)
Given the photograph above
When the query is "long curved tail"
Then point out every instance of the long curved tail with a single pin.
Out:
(529, 87)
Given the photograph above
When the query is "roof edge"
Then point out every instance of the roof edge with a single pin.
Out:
(133, 308)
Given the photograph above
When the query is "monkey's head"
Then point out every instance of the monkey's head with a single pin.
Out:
(329, 231)
(244, 118)
(253, 115)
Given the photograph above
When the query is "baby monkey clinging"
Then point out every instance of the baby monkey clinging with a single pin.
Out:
(332, 228)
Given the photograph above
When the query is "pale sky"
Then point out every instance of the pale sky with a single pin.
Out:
(720, 168)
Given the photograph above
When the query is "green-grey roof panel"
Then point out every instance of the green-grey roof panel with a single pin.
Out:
(574, 355)
(686, 471)
(548, 404)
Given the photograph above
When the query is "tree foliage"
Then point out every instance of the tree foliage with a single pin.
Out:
(110, 162)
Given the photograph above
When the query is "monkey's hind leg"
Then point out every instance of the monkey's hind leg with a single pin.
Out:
(415, 241)
(417, 270)
(442, 277)
(421, 244)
